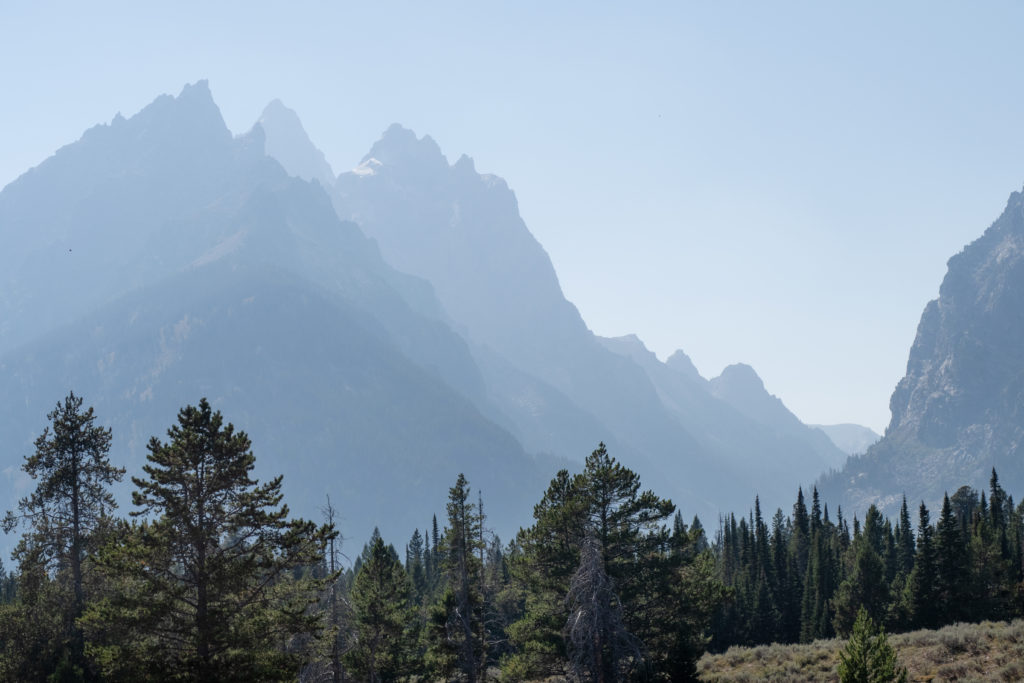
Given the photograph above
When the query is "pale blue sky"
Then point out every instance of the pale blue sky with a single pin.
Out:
(774, 183)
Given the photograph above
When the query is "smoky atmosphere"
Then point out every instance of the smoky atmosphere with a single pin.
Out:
(513, 342)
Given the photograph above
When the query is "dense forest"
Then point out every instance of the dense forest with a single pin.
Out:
(210, 579)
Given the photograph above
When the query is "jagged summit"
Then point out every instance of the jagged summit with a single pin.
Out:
(288, 143)
(461, 231)
(192, 116)
(629, 345)
(160, 259)
(681, 363)
(465, 165)
(198, 92)
(399, 148)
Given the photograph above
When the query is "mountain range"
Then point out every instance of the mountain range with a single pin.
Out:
(375, 333)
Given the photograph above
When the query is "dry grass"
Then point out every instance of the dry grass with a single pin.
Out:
(989, 651)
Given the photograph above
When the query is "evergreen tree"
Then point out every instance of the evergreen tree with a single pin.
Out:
(434, 579)
(904, 542)
(952, 566)
(652, 578)
(815, 520)
(457, 630)
(782, 587)
(923, 579)
(815, 612)
(992, 576)
(542, 569)
(965, 504)
(698, 539)
(65, 516)
(867, 656)
(863, 588)
(415, 564)
(428, 566)
(801, 538)
(209, 587)
(382, 616)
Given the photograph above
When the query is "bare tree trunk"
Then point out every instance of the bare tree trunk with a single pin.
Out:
(78, 640)
(337, 671)
(600, 647)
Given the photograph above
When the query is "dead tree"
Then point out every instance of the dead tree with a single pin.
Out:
(600, 648)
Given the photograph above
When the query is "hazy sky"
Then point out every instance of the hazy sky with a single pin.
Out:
(774, 183)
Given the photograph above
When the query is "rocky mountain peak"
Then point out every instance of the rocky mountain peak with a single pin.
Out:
(738, 378)
(288, 143)
(682, 364)
(191, 116)
(969, 340)
(959, 410)
(400, 149)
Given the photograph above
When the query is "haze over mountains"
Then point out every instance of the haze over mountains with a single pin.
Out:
(551, 377)
(224, 277)
(376, 334)
(959, 411)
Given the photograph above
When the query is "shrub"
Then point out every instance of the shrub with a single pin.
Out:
(868, 657)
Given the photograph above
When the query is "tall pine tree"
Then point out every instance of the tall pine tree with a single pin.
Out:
(65, 517)
(208, 579)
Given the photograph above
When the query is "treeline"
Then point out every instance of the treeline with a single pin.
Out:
(805, 576)
(209, 579)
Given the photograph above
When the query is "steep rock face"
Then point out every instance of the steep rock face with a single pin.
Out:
(959, 411)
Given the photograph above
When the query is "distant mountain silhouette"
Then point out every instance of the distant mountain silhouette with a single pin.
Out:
(750, 432)
(376, 334)
(201, 269)
(552, 377)
(740, 387)
(959, 411)
(850, 438)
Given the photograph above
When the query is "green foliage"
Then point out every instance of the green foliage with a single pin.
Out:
(210, 584)
(868, 657)
(969, 565)
(382, 619)
(865, 588)
(923, 582)
(65, 518)
(34, 636)
(653, 578)
(214, 582)
(457, 634)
